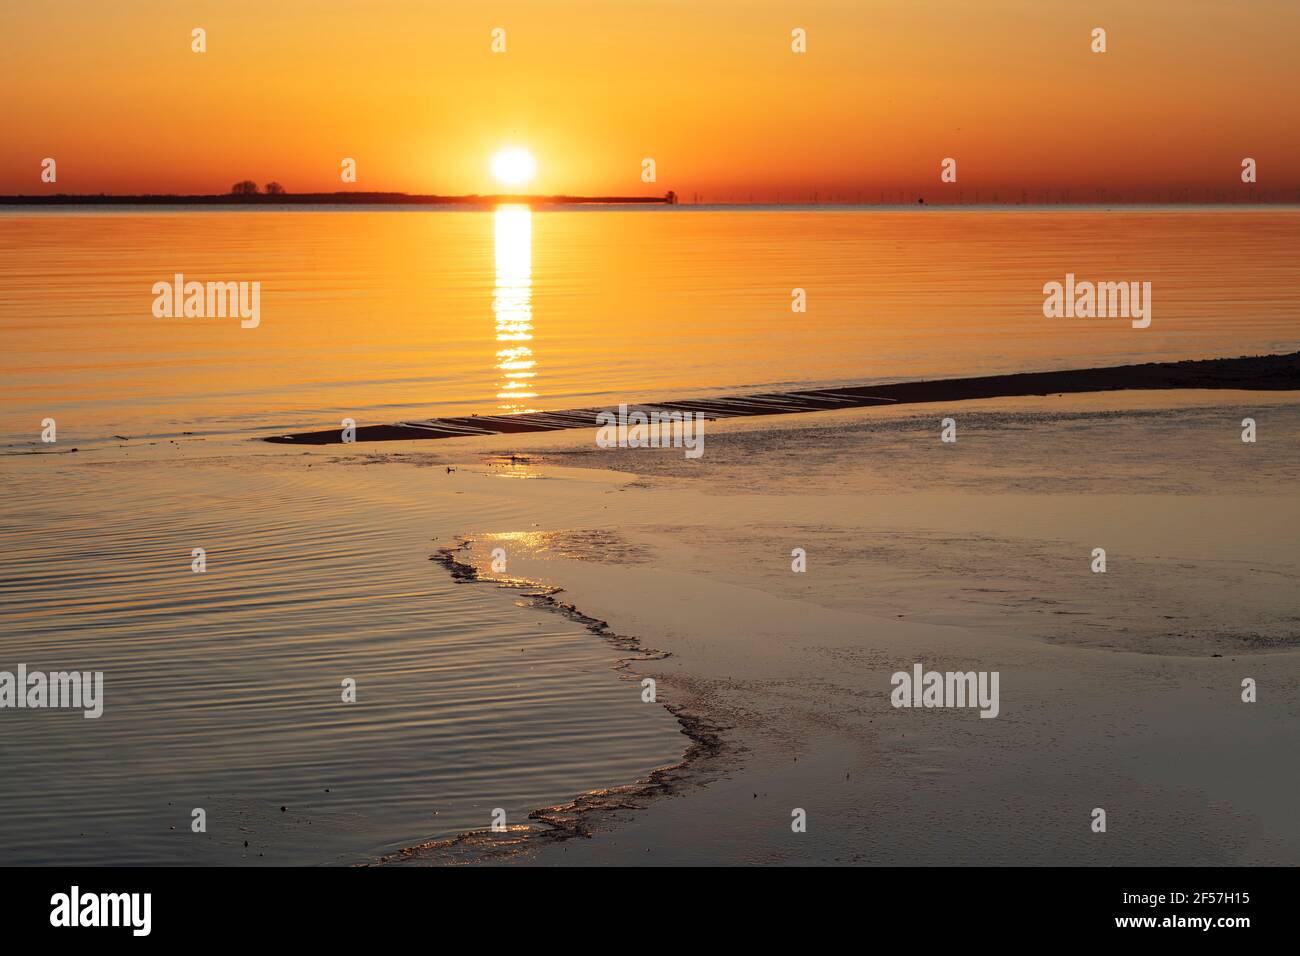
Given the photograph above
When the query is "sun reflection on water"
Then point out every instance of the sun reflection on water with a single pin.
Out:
(513, 308)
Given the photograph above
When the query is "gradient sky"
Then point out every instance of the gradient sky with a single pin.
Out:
(708, 88)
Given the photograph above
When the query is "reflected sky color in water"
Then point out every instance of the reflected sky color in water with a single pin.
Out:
(513, 308)
(383, 316)
(229, 701)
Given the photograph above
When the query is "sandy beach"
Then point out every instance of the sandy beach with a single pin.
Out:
(1120, 691)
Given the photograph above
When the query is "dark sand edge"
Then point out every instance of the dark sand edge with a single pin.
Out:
(593, 810)
(1253, 373)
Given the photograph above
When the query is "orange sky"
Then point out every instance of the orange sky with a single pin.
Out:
(709, 88)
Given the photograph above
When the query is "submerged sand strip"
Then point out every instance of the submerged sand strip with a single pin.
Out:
(1262, 373)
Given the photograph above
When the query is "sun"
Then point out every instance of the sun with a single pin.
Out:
(514, 166)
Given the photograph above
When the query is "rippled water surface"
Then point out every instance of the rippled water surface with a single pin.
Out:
(223, 689)
(382, 316)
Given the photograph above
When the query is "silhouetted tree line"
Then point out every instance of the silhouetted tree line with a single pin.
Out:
(247, 187)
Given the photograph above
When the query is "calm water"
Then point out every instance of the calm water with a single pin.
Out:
(391, 315)
(223, 689)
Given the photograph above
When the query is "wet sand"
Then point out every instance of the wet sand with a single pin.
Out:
(1118, 690)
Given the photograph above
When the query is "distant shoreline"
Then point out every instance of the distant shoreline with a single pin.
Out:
(375, 200)
(316, 199)
(1259, 372)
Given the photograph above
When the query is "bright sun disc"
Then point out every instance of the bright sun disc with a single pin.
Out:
(514, 166)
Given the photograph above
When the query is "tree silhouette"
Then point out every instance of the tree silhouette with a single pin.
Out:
(245, 188)
(274, 189)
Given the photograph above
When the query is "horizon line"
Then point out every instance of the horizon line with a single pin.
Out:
(670, 198)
